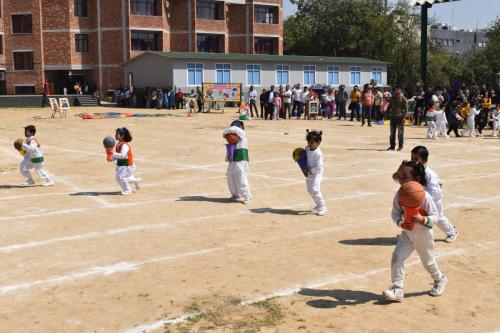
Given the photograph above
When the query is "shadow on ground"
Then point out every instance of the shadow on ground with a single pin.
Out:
(7, 187)
(366, 149)
(344, 297)
(279, 211)
(94, 194)
(201, 198)
(382, 241)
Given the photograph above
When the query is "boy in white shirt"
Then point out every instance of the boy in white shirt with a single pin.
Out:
(496, 120)
(471, 122)
(315, 170)
(33, 159)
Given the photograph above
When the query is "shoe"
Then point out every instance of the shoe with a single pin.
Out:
(247, 200)
(127, 192)
(439, 286)
(369, 125)
(394, 294)
(400, 148)
(28, 183)
(47, 184)
(362, 124)
(234, 197)
(390, 149)
(447, 137)
(350, 120)
(452, 238)
(138, 182)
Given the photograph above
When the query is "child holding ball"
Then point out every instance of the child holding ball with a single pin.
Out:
(417, 233)
(124, 158)
(315, 170)
(33, 159)
(237, 170)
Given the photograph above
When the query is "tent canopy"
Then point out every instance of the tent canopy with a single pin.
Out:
(429, 3)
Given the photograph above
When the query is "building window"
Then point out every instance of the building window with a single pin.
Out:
(266, 14)
(145, 41)
(253, 75)
(223, 73)
(333, 75)
(82, 43)
(195, 74)
(81, 9)
(264, 46)
(208, 43)
(377, 74)
(207, 10)
(309, 74)
(282, 74)
(144, 7)
(22, 24)
(355, 75)
(23, 61)
(1, 44)
(25, 90)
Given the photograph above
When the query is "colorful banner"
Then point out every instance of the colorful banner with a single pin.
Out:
(226, 92)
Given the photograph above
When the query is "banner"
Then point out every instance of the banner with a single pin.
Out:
(225, 92)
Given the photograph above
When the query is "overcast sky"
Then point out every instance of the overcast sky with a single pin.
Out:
(466, 13)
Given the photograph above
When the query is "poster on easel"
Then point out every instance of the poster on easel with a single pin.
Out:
(225, 92)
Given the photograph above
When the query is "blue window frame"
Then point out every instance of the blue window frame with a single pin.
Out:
(223, 72)
(355, 75)
(309, 74)
(333, 75)
(377, 74)
(282, 73)
(253, 75)
(195, 74)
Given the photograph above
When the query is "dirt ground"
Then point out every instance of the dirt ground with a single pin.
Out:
(177, 256)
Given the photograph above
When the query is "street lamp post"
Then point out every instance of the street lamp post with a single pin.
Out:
(424, 6)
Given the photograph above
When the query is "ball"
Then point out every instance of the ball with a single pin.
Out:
(411, 194)
(297, 154)
(108, 142)
(18, 144)
(232, 138)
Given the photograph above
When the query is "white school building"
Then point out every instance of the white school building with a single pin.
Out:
(188, 70)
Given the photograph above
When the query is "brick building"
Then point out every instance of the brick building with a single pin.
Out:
(87, 41)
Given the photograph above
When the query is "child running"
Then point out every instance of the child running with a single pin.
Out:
(237, 170)
(420, 154)
(33, 159)
(418, 237)
(441, 123)
(124, 158)
(315, 170)
(471, 122)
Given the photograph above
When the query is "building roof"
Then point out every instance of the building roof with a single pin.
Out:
(262, 57)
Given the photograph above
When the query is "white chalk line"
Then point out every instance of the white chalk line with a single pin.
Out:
(141, 227)
(134, 265)
(144, 328)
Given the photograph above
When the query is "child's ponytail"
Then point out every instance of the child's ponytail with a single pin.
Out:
(419, 171)
(127, 137)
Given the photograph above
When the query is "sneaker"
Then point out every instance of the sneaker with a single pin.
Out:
(247, 200)
(138, 182)
(127, 192)
(28, 183)
(439, 286)
(400, 148)
(394, 294)
(452, 238)
(391, 149)
(49, 183)
(234, 197)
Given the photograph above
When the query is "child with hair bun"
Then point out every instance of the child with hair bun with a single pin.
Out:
(124, 158)
(315, 170)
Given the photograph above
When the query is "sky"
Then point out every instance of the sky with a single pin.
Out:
(464, 14)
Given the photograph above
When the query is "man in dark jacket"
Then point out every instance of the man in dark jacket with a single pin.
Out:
(341, 98)
(269, 97)
(397, 112)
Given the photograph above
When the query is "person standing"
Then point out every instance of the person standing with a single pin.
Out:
(297, 107)
(484, 114)
(379, 97)
(287, 102)
(354, 106)
(262, 99)
(199, 99)
(330, 103)
(397, 111)
(252, 99)
(341, 99)
(367, 106)
(270, 103)
(385, 102)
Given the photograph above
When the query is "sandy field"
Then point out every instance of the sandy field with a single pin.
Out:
(178, 256)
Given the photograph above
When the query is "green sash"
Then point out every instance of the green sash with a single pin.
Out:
(37, 160)
(122, 162)
(240, 155)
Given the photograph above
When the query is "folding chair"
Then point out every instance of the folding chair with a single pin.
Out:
(54, 106)
(64, 106)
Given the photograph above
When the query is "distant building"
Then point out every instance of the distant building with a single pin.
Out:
(87, 41)
(459, 42)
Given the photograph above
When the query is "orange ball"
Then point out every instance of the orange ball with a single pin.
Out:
(411, 194)
(232, 138)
